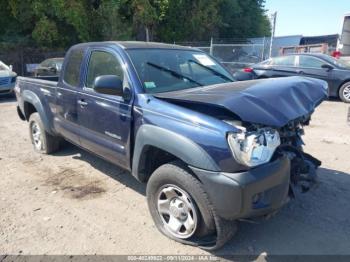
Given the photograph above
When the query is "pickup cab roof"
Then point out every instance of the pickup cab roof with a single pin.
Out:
(135, 45)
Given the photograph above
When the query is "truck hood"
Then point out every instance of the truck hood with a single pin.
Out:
(272, 102)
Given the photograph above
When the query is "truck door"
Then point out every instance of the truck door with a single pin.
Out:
(105, 120)
(66, 117)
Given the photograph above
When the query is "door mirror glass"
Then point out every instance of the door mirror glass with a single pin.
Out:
(109, 85)
(327, 67)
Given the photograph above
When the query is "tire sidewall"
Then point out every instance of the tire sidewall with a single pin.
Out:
(174, 175)
(35, 118)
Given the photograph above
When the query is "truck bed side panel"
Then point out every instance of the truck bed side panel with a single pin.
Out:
(39, 93)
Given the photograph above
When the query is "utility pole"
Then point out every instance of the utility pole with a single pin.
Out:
(211, 46)
(147, 34)
(273, 28)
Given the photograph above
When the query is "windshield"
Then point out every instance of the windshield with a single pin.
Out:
(55, 62)
(59, 63)
(164, 70)
(338, 62)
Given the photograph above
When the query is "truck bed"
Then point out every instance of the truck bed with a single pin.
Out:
(43, 83)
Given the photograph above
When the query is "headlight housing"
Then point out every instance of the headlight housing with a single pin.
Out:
(253, 148)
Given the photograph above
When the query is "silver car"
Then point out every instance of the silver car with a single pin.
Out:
(7, 79)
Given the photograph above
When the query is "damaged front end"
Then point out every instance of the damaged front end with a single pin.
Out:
(303, 165)
(268, 116)
(257, 144)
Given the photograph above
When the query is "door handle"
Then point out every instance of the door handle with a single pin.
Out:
(82, 102)
(300, 72)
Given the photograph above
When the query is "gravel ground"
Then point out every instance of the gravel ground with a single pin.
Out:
(75, 203)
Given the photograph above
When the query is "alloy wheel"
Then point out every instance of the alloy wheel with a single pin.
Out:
(346, 92)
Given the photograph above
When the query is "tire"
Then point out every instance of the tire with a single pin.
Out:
(42, 141)
(344, 92)
(176, 181)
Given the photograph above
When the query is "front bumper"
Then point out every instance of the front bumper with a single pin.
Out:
(255, 192)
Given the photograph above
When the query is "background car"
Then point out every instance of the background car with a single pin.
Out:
(7, 79)
(335, 72)
(49, 67)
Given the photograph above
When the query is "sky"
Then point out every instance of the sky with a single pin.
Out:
(308, 17)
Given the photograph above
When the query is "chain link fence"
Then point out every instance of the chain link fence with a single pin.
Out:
(235, 54)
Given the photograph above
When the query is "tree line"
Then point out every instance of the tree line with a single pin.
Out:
(61, 23)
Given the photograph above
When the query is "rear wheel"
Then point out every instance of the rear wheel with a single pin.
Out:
(42, 141)
(181, 209)
(344, 92)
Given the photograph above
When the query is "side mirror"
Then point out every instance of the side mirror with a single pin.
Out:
(327, 67)
(109, 85)
(53, 69)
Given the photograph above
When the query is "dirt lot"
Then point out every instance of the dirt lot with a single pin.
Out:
(75, 203)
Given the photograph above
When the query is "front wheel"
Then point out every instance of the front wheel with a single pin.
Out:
(344, 92)
(181, 209)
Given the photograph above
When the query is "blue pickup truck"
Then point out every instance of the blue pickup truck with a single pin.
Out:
(210, 149)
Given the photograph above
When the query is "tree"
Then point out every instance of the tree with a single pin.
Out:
(189, 20)
(110, 23)
(147, 15)
(243, 19)
(61, 23)
(45, 32)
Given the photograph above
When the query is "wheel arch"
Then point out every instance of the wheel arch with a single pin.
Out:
(155, 146)
(32, 104)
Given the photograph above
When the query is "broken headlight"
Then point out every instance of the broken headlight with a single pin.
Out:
(253, 148)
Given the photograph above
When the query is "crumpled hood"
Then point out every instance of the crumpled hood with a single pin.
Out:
(272, 102)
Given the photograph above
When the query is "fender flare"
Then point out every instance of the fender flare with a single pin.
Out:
(31, 98)
(179, 146)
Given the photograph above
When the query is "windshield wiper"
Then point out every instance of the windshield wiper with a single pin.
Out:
(212, 70)
(174, 73)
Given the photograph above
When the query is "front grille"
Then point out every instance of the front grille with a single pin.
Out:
(5, 80)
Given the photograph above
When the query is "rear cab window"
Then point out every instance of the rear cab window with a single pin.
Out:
(72, 69)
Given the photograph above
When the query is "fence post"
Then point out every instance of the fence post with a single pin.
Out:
(263, 49)
(273, 18)
(211, 46)
(22, 62)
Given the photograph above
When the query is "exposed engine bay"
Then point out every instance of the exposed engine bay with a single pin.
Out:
(286, 140)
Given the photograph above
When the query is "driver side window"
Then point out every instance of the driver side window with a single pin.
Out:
(103, 63)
